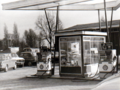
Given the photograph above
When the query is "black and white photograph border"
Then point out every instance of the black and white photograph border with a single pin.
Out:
(59, 45)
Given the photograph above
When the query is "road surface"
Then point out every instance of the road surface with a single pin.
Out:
(18, 80)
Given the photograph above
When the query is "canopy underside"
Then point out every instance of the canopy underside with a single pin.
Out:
(64, 5)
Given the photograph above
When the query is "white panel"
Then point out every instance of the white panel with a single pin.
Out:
(29, 3)
(109, 5)
(26, 3)
(81, 33)
(110, 66)
(94, 33)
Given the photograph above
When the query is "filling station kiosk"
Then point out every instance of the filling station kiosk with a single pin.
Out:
(80, 53)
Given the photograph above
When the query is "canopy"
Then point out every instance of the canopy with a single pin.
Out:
(64, 5)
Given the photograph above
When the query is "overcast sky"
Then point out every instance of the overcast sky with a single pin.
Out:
(26, 19)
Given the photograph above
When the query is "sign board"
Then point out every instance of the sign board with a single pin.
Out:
(75, 47)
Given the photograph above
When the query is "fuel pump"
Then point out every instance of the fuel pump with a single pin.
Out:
(44, 64)
(108, 58)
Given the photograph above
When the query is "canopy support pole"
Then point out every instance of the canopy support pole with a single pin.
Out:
(106, 21)
(57, 27)
(111, 21)
(57, 19)
(49, 28)
(99, 20)
(118, 49)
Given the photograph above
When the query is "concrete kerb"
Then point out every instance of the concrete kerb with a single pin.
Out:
(67, 78)
(108, 79)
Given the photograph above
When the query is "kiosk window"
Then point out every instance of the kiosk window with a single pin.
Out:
(92, 44)
(70, 53)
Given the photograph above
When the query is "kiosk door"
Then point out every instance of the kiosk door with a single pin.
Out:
(70, 55)
(91, 45)
(87, 53)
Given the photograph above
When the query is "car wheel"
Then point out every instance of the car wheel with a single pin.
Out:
(15, 67)
(6, 68)
(29, 63)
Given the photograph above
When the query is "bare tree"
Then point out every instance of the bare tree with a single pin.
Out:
(16, 36)
(40, 38)
(30, 38)
(5, 43)
(42, 25)
(21, 45)
(5, 31)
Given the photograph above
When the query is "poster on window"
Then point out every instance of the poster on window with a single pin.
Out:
(75, 47)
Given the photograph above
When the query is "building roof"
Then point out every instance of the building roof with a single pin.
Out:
(90, 33)
(93, 26)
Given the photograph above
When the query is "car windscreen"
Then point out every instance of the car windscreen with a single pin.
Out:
(26, 50)
(27, 55)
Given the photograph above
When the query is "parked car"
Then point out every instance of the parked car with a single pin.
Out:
(6, 62)
(19, 60)
(30, 55)
(29, 58)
